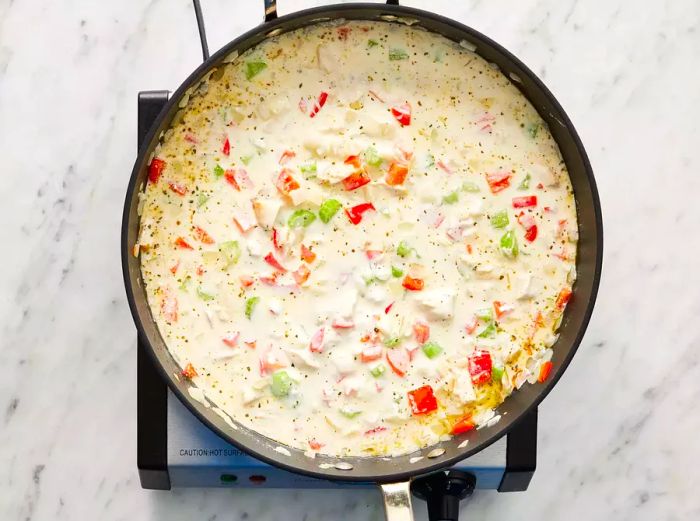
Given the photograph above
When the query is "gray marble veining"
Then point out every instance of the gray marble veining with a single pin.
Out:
(619, 436)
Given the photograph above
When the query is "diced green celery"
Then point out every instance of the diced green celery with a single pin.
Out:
(469, 186)
(371, 157)
(328, 209)
(204, 294)
(398, 54)
(308, 169)
(525, 183)
(301, 218)
(250, 306)
(484, 314)
(431, 349)
(349, 413)
(451, 198)
(429, 161)
(533, 129)
(403, 249)
(500, 219)
(231, 251)
(378, 370)
(392, 342)
(185, 282)
(281, 383)
(488, 332)
(372, 43)
(246, 159)
(497, 373)
(253, 68)
(370, 280)
(218, 171)
(396, 272)
(202, 199)
(509, 244)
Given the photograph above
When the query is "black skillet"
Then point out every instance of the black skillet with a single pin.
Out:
(392, 474)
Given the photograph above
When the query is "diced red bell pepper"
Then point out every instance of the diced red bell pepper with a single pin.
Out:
(270, 361)
(341, 323)
(307, 255)
(525, 201)
(355, 213)
(421, 332)
(471, 324)
(191, 138)
(200, 270)
(246, 280)
(373, 254)
(399, 360)
(270, 280)
(422, 400)
(322, 98)
(480, 365)
(155, 169)
(531, 233)
(182, 243)
(231, 339)
(355, 180)
(376, 430)
(343, 33)
(371, 353)
(316, 344)
(397, 174)
(226, 149)
(464, 424)
(498, 181)
(168, 306)
(388, 308)
(270, 259)
(275, 237)
(444, 167)
(286, 156)
(203, 236)
(563, 298)
(285, 182)
(353, 160)
(528, 222)
(178, 188)
(174, 267)
(301, 275)
(230, 177)
(501, 308)
(402, 113)
(315, 445)
(545, 369)
(189, 371)
(412, 284)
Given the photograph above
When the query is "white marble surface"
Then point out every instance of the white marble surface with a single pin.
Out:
(619, 437)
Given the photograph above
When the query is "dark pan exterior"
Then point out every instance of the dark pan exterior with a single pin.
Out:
(578, 312)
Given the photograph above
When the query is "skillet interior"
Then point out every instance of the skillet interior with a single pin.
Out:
(576, 318)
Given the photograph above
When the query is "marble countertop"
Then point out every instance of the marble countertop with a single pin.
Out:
(618, 437)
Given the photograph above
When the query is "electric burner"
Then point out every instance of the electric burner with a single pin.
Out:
(176, 450)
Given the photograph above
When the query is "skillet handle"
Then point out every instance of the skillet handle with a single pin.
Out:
(271, 8)
(397, 501)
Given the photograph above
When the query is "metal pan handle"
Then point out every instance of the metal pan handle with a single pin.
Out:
(271, 8)
(397, 501)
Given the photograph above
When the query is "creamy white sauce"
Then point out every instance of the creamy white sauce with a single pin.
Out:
(321, 352)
